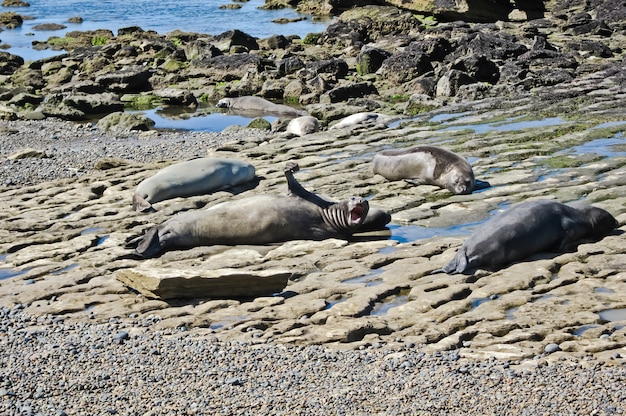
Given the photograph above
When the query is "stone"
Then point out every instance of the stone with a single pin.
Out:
(161, 283)
(124, 122)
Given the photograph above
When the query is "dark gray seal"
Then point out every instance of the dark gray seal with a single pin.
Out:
(429, 165)
(193, 177)
(529, 228)
(257, 104)
(263, 219)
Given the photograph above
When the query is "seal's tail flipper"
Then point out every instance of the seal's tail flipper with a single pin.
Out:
(141, 205)
(149, 245)
(458, 264)
(415, 182)
(481, 185)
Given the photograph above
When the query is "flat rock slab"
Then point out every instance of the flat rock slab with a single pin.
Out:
(62, 242)
(160, 283)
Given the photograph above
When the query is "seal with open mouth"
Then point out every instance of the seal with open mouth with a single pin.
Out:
(262, 219)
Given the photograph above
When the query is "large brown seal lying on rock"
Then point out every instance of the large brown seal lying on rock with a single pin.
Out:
(529, 228)
(258, 104)
(263, 219)
(429, 165)
(193, 177)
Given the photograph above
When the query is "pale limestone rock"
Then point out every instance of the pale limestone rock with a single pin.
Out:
(193, 283)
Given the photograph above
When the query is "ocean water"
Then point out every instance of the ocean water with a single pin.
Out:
(162, 16)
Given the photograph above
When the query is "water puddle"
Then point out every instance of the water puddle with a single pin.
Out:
(603, 290)
(332, 302)
(507, 125)
(509, 315)
(388, 250)
(613, 315)
(410, 233)
(369, 279)
(226, 322)
(479, 301)
(393, 301)
(8, 272)
(441, 118)
(606, 147)
(91, 230)
(584, 328)
(174, 118)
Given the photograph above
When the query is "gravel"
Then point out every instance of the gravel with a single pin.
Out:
(73, 149)
(50, 367)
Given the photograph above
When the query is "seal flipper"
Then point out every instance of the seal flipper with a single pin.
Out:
(458, 264)
(415, 182)
(298, 190)
(141, 205)
(150, 244)
(478, 185)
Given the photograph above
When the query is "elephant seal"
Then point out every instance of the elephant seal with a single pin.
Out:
(362, 120)
(428, 165)
(193, 177)
(251, 103)
(301, 126)
(260, 219)
(529, 228)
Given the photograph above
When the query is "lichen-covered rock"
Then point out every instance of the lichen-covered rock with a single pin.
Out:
(125, 122)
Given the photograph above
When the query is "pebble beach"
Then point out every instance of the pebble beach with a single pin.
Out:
(53, 368)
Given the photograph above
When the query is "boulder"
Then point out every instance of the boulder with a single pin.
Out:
(232, 38)
(9, 63)
(134, 78)
(125, 122)
(404, 66)
(10, 20)
(102, 103)
(226, 68)
(160, 283)
(175, 96)
(370, 59)
(349, 90)
(467, 10)
(338, 68)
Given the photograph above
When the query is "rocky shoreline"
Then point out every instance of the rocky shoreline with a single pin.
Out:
(361, 327)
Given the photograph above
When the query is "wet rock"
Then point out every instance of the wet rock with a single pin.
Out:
(234, 38)
(49, 26)
(126, 80)
(10, 20)
(9, 63)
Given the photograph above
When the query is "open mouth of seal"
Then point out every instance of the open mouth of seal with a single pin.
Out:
(356, 214)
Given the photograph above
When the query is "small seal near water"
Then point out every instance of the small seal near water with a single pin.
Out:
(429, 165)
(529, 228)
(262, 219)
(363, 119)
(257, 104)
(193, 177)
(301, 126)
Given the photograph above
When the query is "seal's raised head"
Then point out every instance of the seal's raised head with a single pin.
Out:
(347, 216)
(224, 103)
